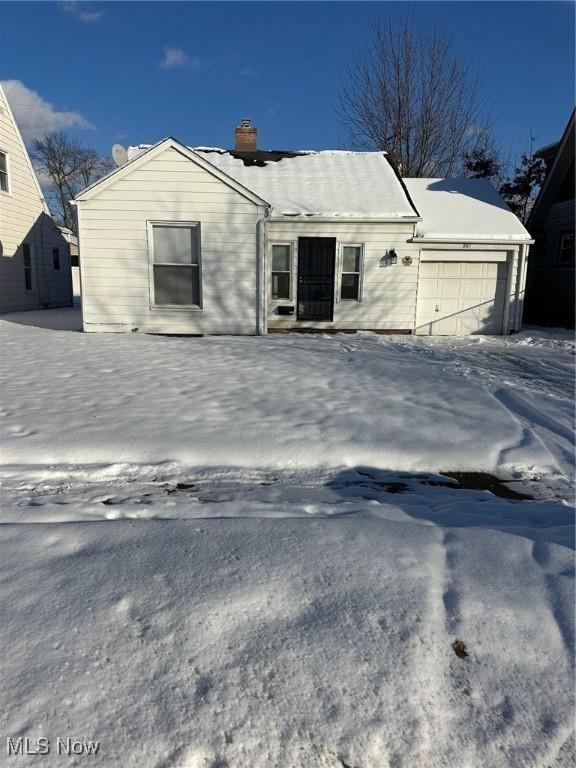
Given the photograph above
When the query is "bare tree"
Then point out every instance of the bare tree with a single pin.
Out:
(411, 95)
(69, 167)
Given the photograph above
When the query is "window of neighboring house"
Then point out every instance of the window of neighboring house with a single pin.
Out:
(27, 259)
(74, 260)
(351, 266)
(4, 172)
(176, 276)
(281, 261)
(566, 250)
(56, 258)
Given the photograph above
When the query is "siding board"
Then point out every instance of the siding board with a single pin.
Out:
(23, 219)
(115, 258)
(388, 292)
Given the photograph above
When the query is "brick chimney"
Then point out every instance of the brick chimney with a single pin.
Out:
(246, 137)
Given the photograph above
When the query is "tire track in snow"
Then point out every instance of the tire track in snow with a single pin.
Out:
(562, 751)
(558, 382)
(564, 620)
(434, 686)
(517, 409)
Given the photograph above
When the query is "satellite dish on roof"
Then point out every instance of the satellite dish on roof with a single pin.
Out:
(119, 154)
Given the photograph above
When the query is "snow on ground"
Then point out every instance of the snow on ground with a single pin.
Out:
(237, 552)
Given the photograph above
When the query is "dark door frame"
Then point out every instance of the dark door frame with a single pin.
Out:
(316, 279)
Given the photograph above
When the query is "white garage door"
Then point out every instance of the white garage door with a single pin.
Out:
(458, 298)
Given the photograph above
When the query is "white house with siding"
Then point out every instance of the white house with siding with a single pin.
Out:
(34, 256)
(207, 241)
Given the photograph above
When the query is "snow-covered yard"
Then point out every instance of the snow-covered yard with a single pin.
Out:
(240, 552)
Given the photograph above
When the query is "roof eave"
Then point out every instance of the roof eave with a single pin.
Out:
(566, 136)
(323, 218)
(476, 240)
(27, 159)
(90, 191)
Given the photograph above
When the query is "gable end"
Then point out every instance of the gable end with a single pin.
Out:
(124, 171)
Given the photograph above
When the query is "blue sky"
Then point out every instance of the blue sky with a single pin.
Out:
(278, 63)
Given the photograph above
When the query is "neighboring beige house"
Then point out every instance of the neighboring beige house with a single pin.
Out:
(34, 256)
(208, 241)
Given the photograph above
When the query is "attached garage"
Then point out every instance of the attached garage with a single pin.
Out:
(473, 255)
(458, 298)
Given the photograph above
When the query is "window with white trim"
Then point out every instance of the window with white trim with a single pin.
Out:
(27, 260)
(281, 270)
(4, 186)
(351, 269)
(176, 273)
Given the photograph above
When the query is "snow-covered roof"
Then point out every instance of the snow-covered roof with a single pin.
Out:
(328, 183)
(463, 209)
(309, 183)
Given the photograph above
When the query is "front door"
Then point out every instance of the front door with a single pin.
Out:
(316, 267)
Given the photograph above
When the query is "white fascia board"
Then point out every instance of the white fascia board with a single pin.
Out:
(303, 218)
(476, 240)
(119, 172)
(124, 170)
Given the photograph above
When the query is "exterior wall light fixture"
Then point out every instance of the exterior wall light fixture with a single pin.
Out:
(390, 257)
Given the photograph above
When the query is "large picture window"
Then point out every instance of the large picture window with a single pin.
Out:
(176, 275)
(281, 270)
(351, 268)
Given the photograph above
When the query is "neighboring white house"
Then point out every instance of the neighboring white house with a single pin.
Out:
(34, 256)
(209, 241)
(72, 241)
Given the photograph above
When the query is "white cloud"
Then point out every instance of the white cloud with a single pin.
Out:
(90, 15)
(74, 7)
(44, 179)
(35, 116)
(176, 58)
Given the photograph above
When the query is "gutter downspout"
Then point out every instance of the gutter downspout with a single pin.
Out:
(522, 270)
(80, 268)
(262, 294)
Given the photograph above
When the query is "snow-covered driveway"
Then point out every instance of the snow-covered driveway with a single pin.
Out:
(237, 552)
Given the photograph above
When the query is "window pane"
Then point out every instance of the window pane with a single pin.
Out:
(175, 245)
(567, 248)
(281, 258)
(3, 166)
(350, 285)
(177, 285)
(351, 258)
(281, 285)
(3, 181)
(56, 258)
(27, 260)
